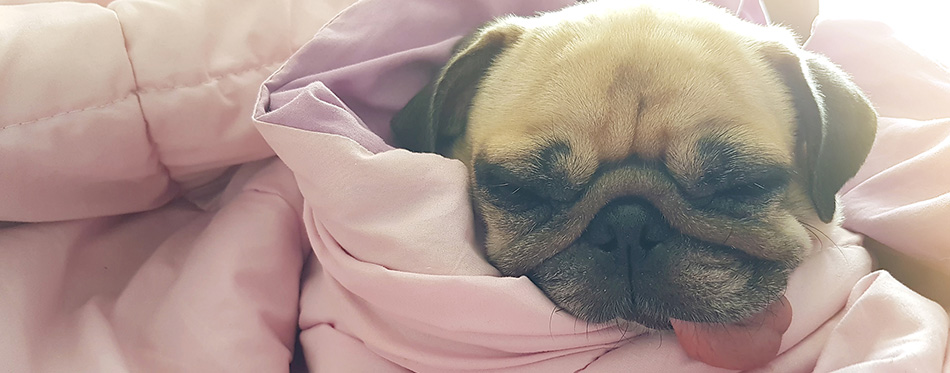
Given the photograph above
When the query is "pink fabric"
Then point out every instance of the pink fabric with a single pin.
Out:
(117, 108)
(392, 248)
(144, 108)
(172, 243)
(904, 189)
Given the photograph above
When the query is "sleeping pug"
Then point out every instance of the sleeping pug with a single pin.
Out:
(655, 162)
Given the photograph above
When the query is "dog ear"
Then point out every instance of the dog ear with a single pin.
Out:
(438, 115)
(836, 122)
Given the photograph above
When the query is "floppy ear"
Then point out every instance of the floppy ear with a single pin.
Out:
(836, 122)
(438, 115)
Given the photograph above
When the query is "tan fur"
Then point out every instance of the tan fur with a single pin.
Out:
(579, 76)
(632, 91)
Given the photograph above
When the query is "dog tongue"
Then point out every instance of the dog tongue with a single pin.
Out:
(747, 344)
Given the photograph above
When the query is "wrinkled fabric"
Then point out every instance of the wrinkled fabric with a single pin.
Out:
(171, 239)
(902, 190)
(121, 124)
(391, 248)
(118, 108)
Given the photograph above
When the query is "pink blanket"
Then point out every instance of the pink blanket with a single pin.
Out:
(382, 273)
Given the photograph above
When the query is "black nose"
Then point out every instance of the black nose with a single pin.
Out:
(628, 224)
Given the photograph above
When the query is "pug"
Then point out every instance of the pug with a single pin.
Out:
(656, 162)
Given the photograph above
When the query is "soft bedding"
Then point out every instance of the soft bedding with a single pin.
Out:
(169, 239)
(121, 123)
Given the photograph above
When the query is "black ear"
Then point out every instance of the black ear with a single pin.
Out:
(836, 122)
(438, 115)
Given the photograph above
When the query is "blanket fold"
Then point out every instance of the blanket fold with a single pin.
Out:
(170, 239)
(400, 270)
(121, 108)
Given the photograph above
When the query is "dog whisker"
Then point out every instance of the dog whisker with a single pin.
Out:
(811, 231)
(833, 243)
(728, 236)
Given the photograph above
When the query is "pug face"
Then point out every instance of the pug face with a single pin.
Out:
(645, 161)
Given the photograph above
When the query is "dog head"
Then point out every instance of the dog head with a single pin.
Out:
(645, 161)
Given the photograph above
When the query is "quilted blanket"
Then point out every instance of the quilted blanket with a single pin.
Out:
(153, 230)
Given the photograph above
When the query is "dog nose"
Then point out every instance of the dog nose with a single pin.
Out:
(628, 224)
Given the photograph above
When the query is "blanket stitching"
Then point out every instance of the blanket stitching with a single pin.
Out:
(140, 90)
(212, 79)
(138, 98)
(118, 100)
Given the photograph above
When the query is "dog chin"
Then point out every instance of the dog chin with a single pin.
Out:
(684, 279)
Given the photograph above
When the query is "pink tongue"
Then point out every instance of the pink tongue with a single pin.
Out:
(747, 344)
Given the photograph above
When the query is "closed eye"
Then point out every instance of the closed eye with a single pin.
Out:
(502, 189)
(732, 174)
(744, 193)
(753, 190)
(513, 197)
